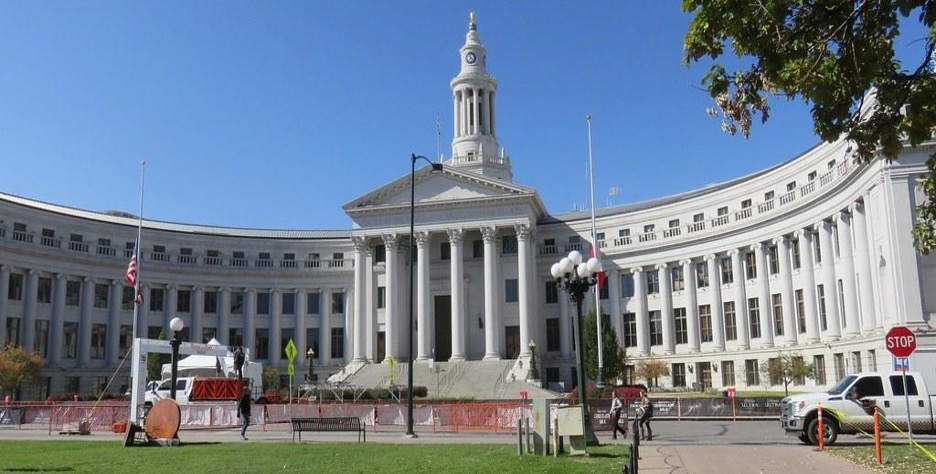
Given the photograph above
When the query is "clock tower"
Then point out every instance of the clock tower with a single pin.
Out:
(474, 146)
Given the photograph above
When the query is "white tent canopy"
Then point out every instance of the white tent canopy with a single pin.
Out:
(197, 365)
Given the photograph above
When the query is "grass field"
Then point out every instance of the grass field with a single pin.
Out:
(96, 456)
(898, 458)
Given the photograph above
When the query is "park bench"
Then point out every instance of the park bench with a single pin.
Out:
(337, 423)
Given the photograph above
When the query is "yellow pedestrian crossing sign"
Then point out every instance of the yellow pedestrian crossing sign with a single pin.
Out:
(291, 355)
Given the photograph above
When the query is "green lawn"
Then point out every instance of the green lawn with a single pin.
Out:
(898, 458)
(228, 458)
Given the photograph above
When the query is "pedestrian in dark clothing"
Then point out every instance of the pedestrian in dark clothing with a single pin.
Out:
(243, 412)
(617, 407)
(239, 359)
(645, 412)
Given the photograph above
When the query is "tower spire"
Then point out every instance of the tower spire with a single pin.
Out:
(474, 142)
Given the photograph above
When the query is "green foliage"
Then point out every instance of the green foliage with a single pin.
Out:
(613, 356)
(154, 361)
(17, 369)
(787, 367)
(270, 377)
(829, 54)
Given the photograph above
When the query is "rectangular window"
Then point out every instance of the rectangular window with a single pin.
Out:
(508, 244)
(552, 292)
(745, 204)
(817, 248)
(312, 341)
(337, 342)
(627, 285)
(211, 302)
(676, 274)
(698, 217)
(127, 297)
(673, 223)
(750, 265)
(769, 195)
(337, 303)
(774, 259)
(723, 211)
(263, 303)
(314, 303)
(477, 249)
(791, 186)
(15, 288)
(237, 302)
(794, 248)
(286, 334)
(445, 251)
(839, 362)
(679, 375)
(702, 276)
(727, 272)
(731, 325)
(380, 253)
(70, 340)
(754, 317)
(44, 291)
(630, 330)
(841, 304)
(382, 297)
(262, 343)
(13, 331)
(156, 299)
(752, 372)
(552, 335)
(656, 328)
(72, 293)
(820, 298)
(778, 313)
(41, 343)
(727, 371)
(800, 311)
(100, 295)
(186, 256)
(98, 341)
(126, 338)
(705, 322)
(511, 290)
(653, 283)
(184, 301)
(236, 336)
(819, 369)
(682, 332)
(289, 302)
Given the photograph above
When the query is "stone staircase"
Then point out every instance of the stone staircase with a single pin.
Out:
(479, 380)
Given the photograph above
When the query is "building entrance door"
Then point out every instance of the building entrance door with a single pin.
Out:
(513, 341)
(443, 327)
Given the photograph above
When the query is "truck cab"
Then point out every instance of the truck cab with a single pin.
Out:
(849, 407)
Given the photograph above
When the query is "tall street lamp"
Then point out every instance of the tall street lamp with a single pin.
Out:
(436, 167)
(311, 355)
(577, 277)
(175, 325)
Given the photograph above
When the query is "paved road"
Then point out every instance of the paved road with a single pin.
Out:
(694, 447)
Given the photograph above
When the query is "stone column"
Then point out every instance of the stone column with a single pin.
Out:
(198, 315)
(112, 340)
(371, 297)
(172, 306)
(423, 324)
(391, 313)
(302, 314)
(325, 331)
(614, 293)
(666, 308)
(457, 277)
(764, 302)
(142, 320)
(224, 316)
(491, 319)
(641, 314)
(808, 270)
(863, 266)
(30, 295)
(692, 305)
(276, 326)
(4, 288)
(84, 322)
(360, 303)
(565, 325)
(846, 260)
(718, 311)
(250, 321)
(348, 295)
(57, 323)
(523, 284)
(790, 328)
(740, 294)
(829, 281)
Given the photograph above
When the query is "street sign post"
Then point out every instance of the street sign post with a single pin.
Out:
(901, 342)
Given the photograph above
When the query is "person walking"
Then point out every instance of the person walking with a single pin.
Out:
(243, 411)
(645, 412)
(616, 410)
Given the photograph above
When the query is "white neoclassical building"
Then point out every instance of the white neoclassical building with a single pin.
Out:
(812, 257)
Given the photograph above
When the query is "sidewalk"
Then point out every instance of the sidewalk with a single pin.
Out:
(656, 457)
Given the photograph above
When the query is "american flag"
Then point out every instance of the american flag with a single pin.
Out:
(132, 271)
(602, 275)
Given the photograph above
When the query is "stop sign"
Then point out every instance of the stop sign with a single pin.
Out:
(900, 341)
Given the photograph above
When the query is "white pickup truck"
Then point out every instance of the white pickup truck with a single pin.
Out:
(849, 407)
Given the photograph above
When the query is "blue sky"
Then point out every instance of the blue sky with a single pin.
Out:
(274, 114)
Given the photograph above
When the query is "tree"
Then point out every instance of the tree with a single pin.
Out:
(613, 355)
(17, 369)
(651, 369)
(786, 368)
(154, 362)
(829, 54)
(270, 378)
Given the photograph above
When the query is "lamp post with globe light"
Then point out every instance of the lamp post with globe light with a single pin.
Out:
(176, 326)
(311, 355)
(577, 277)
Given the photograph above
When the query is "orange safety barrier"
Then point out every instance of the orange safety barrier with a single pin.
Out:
(216, 389)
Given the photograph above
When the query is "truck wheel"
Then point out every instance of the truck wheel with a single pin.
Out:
(804, 438)
(829, 431)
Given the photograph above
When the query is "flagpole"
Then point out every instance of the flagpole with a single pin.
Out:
(136, 252)
(594, 243)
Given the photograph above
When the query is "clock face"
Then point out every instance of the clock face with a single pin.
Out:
(470, 58)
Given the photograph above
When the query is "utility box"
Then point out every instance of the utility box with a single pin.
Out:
(570, 423)
(541, 427)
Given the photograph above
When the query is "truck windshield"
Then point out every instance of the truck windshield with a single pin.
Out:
(840, 387)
